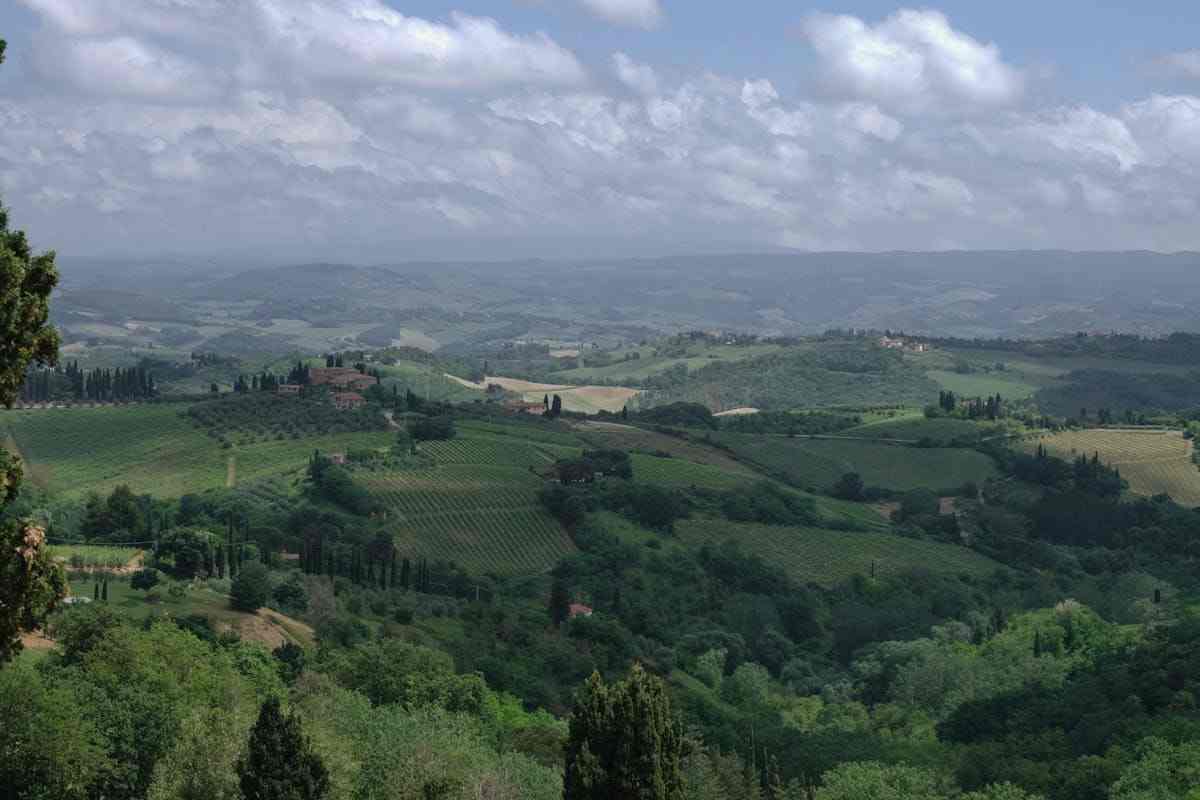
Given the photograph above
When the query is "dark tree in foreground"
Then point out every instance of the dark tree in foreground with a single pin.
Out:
(849, 487)
(279, 763)
(624, 742)
(31, 584)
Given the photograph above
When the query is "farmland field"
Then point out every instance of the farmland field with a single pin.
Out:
(814, 555)
(1154, 462)
(914, 428)
(151, 448)
(478, 506)
(679, 473)
(818, 463)
(1008, 386)
(584, 399)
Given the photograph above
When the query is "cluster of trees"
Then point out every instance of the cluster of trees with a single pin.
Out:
(951, 404)
(99, 385)
(249, 417)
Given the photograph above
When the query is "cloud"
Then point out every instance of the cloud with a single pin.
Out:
(262, 41)
(343, 129)
(645, 14)
(639, 77)
(1185, 64)
(912, 61)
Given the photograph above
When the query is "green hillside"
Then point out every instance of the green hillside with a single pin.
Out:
(152, 448)
(825, 557)
(818, 463)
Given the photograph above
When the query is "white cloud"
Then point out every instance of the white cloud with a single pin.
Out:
(913, 61)
(336, 124)
(639, 77)
(644, 14)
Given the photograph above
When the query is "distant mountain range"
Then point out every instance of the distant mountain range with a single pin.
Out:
(1015, 294)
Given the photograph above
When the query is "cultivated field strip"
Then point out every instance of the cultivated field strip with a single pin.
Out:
(825, 557)
(1153, 462)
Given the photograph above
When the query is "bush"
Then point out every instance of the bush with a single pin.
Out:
(433, 429)
(251, 588)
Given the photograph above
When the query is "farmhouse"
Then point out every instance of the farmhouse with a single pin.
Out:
(347, 401)
(522, 407)
(579, 610)
(288, 389)
(889, 343)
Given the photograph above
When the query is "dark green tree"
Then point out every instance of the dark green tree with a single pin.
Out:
(560, 603)
(624, 742)
(279, 763)
(250, 588)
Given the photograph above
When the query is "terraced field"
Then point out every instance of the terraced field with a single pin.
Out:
(824, 557)
(818, 463)
(478, 506)
(1154, 462)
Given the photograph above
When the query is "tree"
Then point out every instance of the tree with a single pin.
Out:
(624, 742)
(279, 763)
(560, 603)
(31, 584)
(874, 781)
(556, 407)
(849, 487)
(250, 588)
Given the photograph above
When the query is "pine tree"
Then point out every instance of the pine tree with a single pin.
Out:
(624, 742)
(279, 763)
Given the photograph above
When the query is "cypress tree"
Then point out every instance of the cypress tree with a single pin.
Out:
(560, 603)
(405, 574)
(624, 742)
(96, 592)
(104, 590)
(279, 762)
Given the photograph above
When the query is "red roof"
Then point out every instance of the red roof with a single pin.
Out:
(580, 610)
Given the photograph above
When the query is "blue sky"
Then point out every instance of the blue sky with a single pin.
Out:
(381, 130)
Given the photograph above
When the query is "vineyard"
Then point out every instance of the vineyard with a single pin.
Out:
(478, 507)
(151, 448)
(679, 473)
(914, 428)
(818, 463)
(1153, 462)
(824, 557)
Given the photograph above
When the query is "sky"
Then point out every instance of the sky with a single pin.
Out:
(384, 130)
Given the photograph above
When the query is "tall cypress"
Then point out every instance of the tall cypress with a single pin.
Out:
(624, 741)
(279, 762)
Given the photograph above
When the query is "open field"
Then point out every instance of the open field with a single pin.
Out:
(77, 556)
(818, 463)
(648, 363)
(583, 399)
(627, 437)
(1154, 462)
(683, 474)
(814, 555)
(151, 448)
(980, 384)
